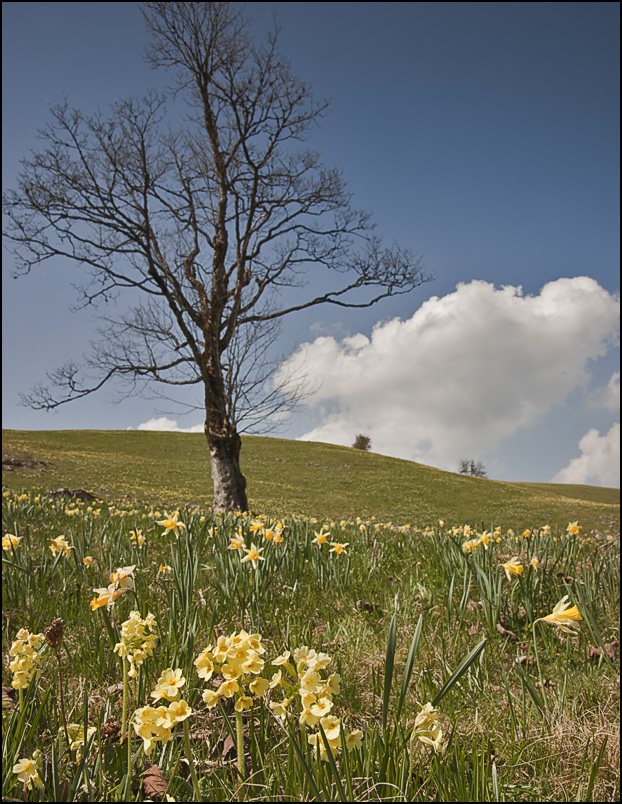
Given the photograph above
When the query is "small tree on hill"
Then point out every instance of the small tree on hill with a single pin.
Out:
(471, 467)
(362, 442)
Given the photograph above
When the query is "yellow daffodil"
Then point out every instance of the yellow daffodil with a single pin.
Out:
(60, 545)
(11, 542)
(563, 617)
(123, 576)
(88, 561)
(339, 549)
(107, 596)
(513, 567)
(534, 563)
(320, 538)
(253, 555)
(171, 523)
(137, 536)
(573, 528)
(237, 543)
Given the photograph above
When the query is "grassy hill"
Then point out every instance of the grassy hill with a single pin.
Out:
(293, 477)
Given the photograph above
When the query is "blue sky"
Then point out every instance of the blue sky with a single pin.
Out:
(483, 135)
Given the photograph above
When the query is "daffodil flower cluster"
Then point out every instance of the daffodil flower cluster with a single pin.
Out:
(122, 581)
(156, 723)
(304, 680)
(237, 658)
(486, 538)
(427, 728)
(137, 640)
(26, 658)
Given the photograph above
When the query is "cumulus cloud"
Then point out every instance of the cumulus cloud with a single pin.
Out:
(609, 395)
(464, 373)
(599, 463)
(168, 425)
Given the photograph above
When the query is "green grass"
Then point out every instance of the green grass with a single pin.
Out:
(295, 477)
(406, 616)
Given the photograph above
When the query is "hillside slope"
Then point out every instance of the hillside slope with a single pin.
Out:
(287, 476)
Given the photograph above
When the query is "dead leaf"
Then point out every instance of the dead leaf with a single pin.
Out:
(228, 745)
(154, 783)
(504, 632)
(7, 698)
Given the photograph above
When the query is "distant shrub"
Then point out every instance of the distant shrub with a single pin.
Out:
(473, 468)
(362, 442)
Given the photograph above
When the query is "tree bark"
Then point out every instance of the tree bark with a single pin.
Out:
(229, 482)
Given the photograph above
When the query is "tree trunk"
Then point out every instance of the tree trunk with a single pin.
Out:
(229, 482)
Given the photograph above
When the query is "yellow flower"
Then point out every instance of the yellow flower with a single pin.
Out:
(11, 542)
(60, 545)
(259, 686)
(427, 728)
(280, 708)
(243, 702)
(253, 555)
(563, 617)
(137, 536)
(106, 596)
(171, 523)
(169, 684)
(573, 528)
(88, 561)
(26, 770)
(237, 543)
(320, 538)
(534, 563)
(339, 549)
(211, 698)
(513, 567)
(123, 576)
(355, 738)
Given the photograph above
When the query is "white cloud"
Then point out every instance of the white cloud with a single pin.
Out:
(168, 425)
(464, 373)
(599, 462)
(609, 395)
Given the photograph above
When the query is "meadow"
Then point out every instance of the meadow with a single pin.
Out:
(155, 651)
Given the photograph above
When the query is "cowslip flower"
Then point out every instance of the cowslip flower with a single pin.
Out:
(427, 728)
(513, 567)
(171, 523)
(25, 658)
(168, 686)
(11, 542)
(27, 772)
(566, 619)
(253, 555)
(137, 640)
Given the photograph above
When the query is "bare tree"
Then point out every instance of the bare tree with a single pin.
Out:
(209, 222)
(471, 467)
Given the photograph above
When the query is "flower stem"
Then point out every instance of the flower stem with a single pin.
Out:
(535, 650)
(195, 782)
(240, 735)
(123, 726)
